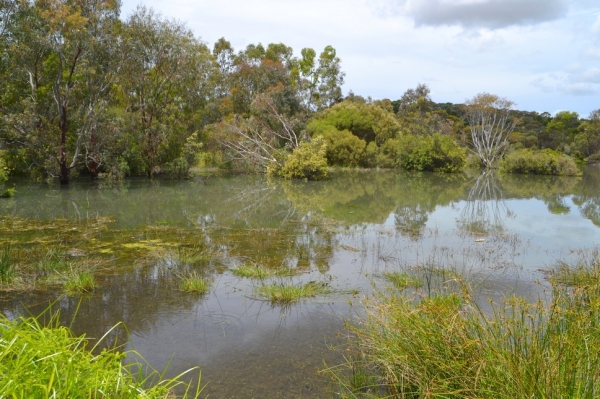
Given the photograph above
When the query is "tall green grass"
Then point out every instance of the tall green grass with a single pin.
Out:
(443, 345)
(38, 361)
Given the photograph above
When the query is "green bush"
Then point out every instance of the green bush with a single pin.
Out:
(344, 148)
(308, 161)
(539, 162)
(424, 153)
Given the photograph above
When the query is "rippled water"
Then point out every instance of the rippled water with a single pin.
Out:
(343, 232)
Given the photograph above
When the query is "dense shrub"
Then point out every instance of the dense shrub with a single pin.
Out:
(437, 153)
(344, 148)
(308, 161)
(539, 162)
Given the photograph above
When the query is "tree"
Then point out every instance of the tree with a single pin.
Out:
(491, 124)
(164, 85)
(318, 81)
(62, 67)
(587, 141)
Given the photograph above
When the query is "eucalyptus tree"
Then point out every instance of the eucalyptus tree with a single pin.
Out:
(164, 84)
(490, 122)
(318, 80)
(61, 57)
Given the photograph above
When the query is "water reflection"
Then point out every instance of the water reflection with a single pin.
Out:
(485, 209)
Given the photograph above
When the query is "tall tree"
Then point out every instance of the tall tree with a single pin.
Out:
(164, 85)
(61, 49)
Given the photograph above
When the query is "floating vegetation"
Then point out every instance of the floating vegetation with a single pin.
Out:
(289, 293)
(44, 361)
(192, 282)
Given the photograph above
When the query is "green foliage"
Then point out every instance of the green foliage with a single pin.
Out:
(539, 162)
(344, 148)
(369, 122)
(38, 361)
(308, 161)
(438, 153)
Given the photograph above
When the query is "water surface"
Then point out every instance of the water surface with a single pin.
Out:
(345, 232)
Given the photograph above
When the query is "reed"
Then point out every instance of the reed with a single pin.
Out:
(441, 344)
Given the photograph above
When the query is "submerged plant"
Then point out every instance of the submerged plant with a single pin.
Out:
(49, 361)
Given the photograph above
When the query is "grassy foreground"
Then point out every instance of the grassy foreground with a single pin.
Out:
(50, 362)
(415, 344)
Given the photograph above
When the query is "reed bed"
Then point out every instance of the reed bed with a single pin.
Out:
(441, 344)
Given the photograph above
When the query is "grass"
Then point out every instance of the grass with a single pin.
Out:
(7, 268)
(403, 280)
(289, 293)
(442, 345)
(192, 282)
(44, 361)
(79, 282)
(260, 272)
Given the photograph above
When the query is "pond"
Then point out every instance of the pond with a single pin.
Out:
(139, 236)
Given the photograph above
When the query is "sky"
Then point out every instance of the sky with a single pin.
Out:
(544, 55)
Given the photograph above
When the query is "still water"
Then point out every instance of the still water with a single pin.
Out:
(141, 235)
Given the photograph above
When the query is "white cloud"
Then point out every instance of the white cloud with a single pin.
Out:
(574, 80)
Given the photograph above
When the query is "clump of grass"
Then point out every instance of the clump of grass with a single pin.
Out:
(192, 282)
(7, 268)
(289, 293)
(79, 281)
(403, 280)
(38, 361)
(444, 345)
(260, 272)
(578, 276)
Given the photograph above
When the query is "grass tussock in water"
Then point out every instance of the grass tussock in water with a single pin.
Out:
(443, 345)
(192, 282)
(402, 280)
(289, 293)
(38, 361)
(79, 282)
(260, 272)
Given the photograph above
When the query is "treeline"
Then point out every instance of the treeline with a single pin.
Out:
(84, 92)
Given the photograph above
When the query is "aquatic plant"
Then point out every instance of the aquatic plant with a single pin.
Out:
(402, 280)
(260, 272)
(289, 293)
(79, 281)
(49, 361)
(192, 282)
(443, 345)
(7, 268)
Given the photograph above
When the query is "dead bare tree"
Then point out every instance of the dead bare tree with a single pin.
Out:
(258, 142)
(491, 124)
